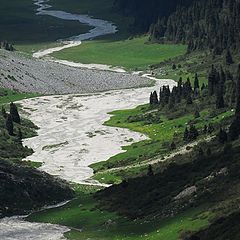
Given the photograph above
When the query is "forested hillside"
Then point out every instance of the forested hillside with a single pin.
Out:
(147, 12)
(205, 24)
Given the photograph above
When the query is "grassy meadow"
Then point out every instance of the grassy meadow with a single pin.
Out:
(161, 135)
(132, 54)
(87, 221)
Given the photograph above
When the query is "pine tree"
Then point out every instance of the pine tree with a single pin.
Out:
(14, 113)
(9, 125)
(185, 135)
(20, 136)
(196, 83)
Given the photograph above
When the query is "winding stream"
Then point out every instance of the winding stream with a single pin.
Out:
(71, 135)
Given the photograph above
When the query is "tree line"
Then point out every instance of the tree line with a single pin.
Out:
(211, 24)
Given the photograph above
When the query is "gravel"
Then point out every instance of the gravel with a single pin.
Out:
(26, 74)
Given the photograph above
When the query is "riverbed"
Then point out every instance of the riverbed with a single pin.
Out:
(71, 134)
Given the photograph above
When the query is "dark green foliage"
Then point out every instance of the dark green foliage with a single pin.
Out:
(203, 25)
(196, 83)
(234, 130)
(9, 125)
(226, 227)
(189, 99)
(148, 196)
(146, 12)
(222, 136)
(173, 146)
(14, 113)
(190, 134)
(150, 171)
(4, 113)
(197, 114)
(24, 189)
(229, 59)
(238, 94)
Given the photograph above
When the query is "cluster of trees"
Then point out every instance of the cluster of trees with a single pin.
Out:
(183, 91)
(11, 118)
(146, 12)
(212, 24)
(6, 46)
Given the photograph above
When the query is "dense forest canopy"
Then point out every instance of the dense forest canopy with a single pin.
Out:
(205, 24)
(146, 12)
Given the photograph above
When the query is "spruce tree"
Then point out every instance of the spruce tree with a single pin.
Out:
(185, 135)
(196, 83)
(9, 125)
(14, 113)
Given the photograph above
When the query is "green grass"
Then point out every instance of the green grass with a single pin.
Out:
(160, 135)
(83, 213)
(7, 96)
(131, 54)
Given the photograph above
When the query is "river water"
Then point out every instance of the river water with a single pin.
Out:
(71, 134)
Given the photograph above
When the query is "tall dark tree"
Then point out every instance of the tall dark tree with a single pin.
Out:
(14, 113)
(196, 83)
(9, 125)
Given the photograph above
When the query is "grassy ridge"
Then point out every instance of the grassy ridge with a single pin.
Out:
(131, 54)
(161, 134)
(89, 222)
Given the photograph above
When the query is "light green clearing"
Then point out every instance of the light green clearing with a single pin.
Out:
(160, 134)
(134, 54)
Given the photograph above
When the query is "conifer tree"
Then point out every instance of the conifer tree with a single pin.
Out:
(185, 135)
(9, 125)
(14, 113)
(196, 83)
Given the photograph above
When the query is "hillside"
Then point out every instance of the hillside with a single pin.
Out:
(167, 169)
(23, 188)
